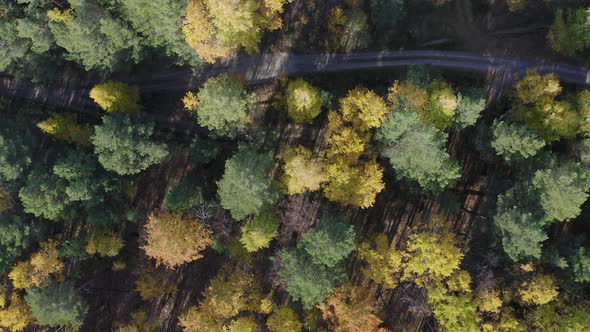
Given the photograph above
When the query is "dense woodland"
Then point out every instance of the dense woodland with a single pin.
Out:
(401, 200)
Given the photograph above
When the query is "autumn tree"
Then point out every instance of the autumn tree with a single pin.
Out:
(116, 97)
(36, 271)
(558, 316)
(304, 101)
(302, 172)
(514, 141)
(230, 293)
(363, 109)
(441, 106)
(243, 324)
(224, 106)
(174, 239)
(16, 316)
(125, 145)
(417, 152)
(349, 29)
(284, 319)
(356, 185)
(350, 308)
(260, 230)
(383, 262)
(66, 129)
(541, 289)
(453, 312)
(246, 187)
(56, 305)
(104, 242)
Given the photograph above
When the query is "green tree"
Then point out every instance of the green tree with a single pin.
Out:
(330, 242)
(304, 101)
(246, 187)
(44, 195)
(125, 146)
(17, 234)
(224, 106)
(184, 196)
(453, 312)
(386, 14)
(417, 152)
(569, 33)
(15, 156)
(469, 108)
(560, 317)
(580, 263)
(56, 305)
(96, 39)
(116, 97)
(104, 243)
(260, 230)
(514, 141)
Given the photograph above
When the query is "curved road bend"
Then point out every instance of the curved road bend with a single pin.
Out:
(262, 67)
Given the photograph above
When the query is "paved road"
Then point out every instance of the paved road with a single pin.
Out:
(73, 93)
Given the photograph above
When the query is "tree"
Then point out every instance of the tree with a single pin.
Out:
(302, 172)
(36, 271)
(441, 106)
(243, 324)
(44, 195)
(56, 305)
(350, 308)
(563, 190)
(173, 239)
(104, 243)
(417, 152)
(453, 312)
(407, 96)
(224, 106)
(580, 262)
(363, 109)
(246, 187)
(159, 22)
(284, 319)
(560, 317)
(349, 30)
(124, 145)
(306, 281)
(469, 108)
(184, 196)
(96, 39)
(541, 289)
(356, 185)
(66, 129)
(489, 301)
(514, 141)
(534, 88)
(17, 234)
(6, 200)
(17, 315)
(116, 97)
(231, 292)
(14, 155)
(386, 14)
(344, 141)
(304, 101)
(260, 230)
(330, 242)
(569, 33)
(384, 263)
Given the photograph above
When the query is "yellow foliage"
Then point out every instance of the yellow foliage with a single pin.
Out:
(336, 21)
(408, 96)
(173, 239)
(6, 200)
(190, 102)
(384, 263)
(356, 185)
(60, 16)
(460, 281)
(344, 141)
(528, 267)
(507, 323)
(232, 291)
(105, 243)
(243, 324)
(534, 88)
(148, 287)
(489, 301)
(119, 265)
(363, 108)
(17, 315)
(139, 323)
(304, 101)
(350, 308)
(36, 271)
(302, 172)
(116, 97)
(541, 289)
(272, 10)
(64, 128)
(266, 306)
(284, 319)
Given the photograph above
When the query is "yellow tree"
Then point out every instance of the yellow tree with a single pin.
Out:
(104, 243)
(356, 185)
(541, 289)
(304, 102)
(174, 239)
(116, 97)
(344, 141)
(407, 96)
(36, 271)
(302, 172)
(64, 128)
(384, 263)
(284, 319)
(16, 316)
(363, 108)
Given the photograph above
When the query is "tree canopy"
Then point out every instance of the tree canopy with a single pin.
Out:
(56, 305)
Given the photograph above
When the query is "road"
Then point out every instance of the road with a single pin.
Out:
(73, 93)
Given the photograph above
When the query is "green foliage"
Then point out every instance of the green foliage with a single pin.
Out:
(559, 317)
(44, 195)
(441, 106)
(386, 14)
(184, 196)
(73, 248)
(260, 230)
(330, 242)
(159, 23)
(96, 39)
(570, 33)
(581, 265)
(16, 235)
(224, 106)
(56, 305)
(562, 190)
(125, 146)
(514, 141)
(104, 242)
(203, 151)
(304, 101)
(15, 155)
(469, 108)
(349, 29)
(454, 313)
(306, 281)
(246, 186)
(417, 152)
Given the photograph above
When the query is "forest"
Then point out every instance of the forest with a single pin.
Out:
(295, 165)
